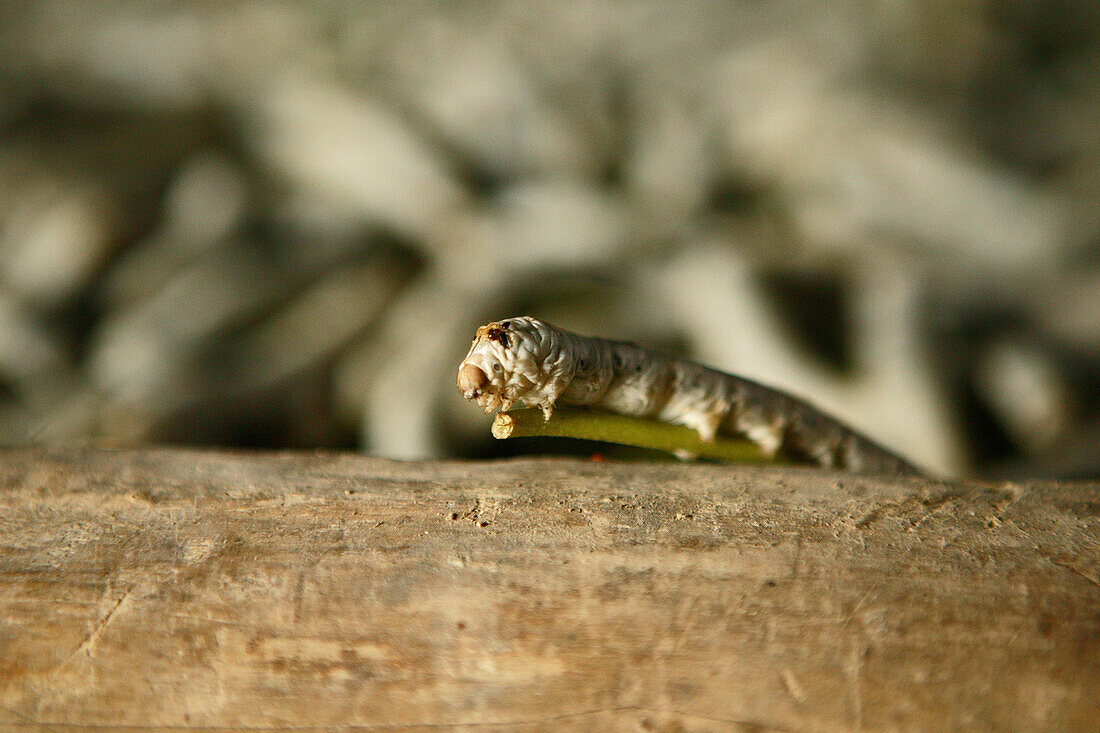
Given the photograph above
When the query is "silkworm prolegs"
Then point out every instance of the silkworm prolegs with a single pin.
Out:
(527, 362)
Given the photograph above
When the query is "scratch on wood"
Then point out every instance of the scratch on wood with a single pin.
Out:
(299, 588)
(791, 683)
(26, 720)
(931, 512)
(854, 670)
(1072, 567)
(872, 516)
(1014, 494)
(210, 620)
(88, 644)
(851, 614)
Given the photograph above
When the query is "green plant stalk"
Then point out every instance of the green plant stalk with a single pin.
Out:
(638, 432)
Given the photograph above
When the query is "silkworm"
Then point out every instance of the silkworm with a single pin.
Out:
(527, 362)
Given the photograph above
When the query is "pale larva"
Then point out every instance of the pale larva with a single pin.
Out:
(527, 362)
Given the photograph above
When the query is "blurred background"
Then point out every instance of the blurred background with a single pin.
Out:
(277, 225)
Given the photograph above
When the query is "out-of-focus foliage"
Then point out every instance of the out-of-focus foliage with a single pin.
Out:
(278, 224)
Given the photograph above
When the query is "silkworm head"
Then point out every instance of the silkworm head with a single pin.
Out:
(501, 365)
(472, 381)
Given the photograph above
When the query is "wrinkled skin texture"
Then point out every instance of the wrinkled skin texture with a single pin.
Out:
(527, 362)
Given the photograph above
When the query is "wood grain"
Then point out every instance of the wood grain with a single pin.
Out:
(181, 590)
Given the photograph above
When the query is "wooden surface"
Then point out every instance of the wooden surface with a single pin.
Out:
(175, 590)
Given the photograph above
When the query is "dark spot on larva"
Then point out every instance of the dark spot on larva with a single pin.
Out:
(506, 325)
(496, 334)
(580, 364)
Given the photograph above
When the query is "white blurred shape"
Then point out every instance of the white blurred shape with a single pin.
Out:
(667, 167)
(204, 205)
(317, 323)
(206, 201)
(353, 151)
(399, 377)
(25, 351)
(1025, 390)
(859, 169)
(559, 224)
(141, 353)
(52, 242)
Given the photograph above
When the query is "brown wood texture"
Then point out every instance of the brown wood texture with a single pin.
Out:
(186, 590)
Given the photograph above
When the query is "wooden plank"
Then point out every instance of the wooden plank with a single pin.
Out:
(171, 589)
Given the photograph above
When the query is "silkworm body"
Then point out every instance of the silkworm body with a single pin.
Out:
(527, 362)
